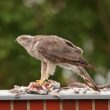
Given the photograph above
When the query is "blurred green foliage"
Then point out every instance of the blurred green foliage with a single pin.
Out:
(84, 22)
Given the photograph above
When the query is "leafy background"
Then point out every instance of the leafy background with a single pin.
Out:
(86, 23)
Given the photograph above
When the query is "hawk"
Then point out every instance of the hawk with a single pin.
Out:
(52, 51)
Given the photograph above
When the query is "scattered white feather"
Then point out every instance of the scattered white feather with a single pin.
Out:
(53, 88)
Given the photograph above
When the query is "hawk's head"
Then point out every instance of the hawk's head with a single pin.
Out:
(25, 40)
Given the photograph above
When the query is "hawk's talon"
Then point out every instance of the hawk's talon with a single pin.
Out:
(39, 83)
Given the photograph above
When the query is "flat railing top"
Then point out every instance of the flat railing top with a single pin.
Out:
(6, 95)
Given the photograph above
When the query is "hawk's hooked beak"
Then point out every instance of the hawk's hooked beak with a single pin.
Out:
(17, 39)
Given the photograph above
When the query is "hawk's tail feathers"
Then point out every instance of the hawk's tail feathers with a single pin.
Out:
(88, 80)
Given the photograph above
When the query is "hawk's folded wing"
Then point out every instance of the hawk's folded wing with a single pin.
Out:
(61, 51)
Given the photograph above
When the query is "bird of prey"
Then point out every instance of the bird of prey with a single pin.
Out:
(52, 51)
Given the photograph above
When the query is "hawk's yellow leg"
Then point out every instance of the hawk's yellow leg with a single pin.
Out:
(43, 73)
(39, 82)
(42, 80)
(46, 70)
